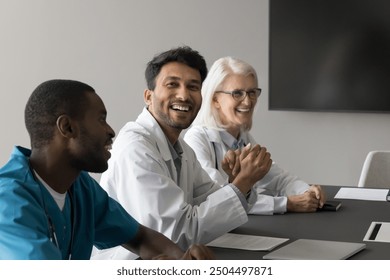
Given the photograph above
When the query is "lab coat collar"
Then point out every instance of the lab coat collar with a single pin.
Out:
(146, 120)
(214, 135)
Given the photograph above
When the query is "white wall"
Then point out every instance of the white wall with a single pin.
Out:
(108, 43)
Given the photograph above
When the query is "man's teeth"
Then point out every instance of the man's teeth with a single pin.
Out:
(243, 109)
(181, 108)
(108, 147)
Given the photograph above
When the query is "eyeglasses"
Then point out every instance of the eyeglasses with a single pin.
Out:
(240, 94)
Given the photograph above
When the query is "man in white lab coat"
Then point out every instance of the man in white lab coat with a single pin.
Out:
(155, 175)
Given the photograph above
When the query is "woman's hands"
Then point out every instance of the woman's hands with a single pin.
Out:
(309, 201)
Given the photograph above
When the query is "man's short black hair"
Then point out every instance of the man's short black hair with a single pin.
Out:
(184, 55)
(50, 100)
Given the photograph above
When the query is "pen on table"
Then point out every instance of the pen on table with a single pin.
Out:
(388, 196)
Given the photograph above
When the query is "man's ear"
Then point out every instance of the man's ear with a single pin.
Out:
(148, 96)
(66, 127)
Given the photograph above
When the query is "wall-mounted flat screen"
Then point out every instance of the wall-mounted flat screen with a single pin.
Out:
(329, 55)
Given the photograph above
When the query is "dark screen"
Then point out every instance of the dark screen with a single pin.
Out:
(330, 55)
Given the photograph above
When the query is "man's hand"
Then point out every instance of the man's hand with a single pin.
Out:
(198, 252)
(255, 162)
(195, 252)
(150, 244)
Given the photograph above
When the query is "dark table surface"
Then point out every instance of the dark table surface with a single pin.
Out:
(349, 223)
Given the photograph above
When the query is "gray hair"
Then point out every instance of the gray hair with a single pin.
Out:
(221, 68)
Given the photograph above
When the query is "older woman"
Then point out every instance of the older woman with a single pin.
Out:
(230, 93)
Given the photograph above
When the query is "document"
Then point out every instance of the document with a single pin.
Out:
(378, 232)
(247, 242)
(362, 194)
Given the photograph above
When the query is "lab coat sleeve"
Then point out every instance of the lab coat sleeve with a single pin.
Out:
(23, 226)
(271, 192)
(195, 212)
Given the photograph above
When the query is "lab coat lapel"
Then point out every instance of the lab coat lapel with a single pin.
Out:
(149, 123)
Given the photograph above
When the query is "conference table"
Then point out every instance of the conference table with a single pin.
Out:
(350, 223)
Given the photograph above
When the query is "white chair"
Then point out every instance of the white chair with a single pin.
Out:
(376, 170)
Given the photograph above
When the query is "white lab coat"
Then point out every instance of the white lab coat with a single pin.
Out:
(142, 177)
(277, 184)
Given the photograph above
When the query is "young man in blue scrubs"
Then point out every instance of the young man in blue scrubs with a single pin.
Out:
(50, 208)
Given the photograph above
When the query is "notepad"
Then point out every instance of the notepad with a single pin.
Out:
(247, 242)
(362, 194)
(310, 249)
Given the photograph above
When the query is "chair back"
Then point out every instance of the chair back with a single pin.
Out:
(376, 170)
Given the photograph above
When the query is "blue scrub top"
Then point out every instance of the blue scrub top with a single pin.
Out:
(33, 227)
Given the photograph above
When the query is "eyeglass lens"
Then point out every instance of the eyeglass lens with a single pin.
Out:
(241, 94)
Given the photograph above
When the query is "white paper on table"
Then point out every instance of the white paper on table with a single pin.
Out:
(362, 194)
(382, 235)
(247, 242)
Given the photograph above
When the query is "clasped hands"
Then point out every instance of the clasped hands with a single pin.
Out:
(309, 201)
(246, 166)
(250, 164)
